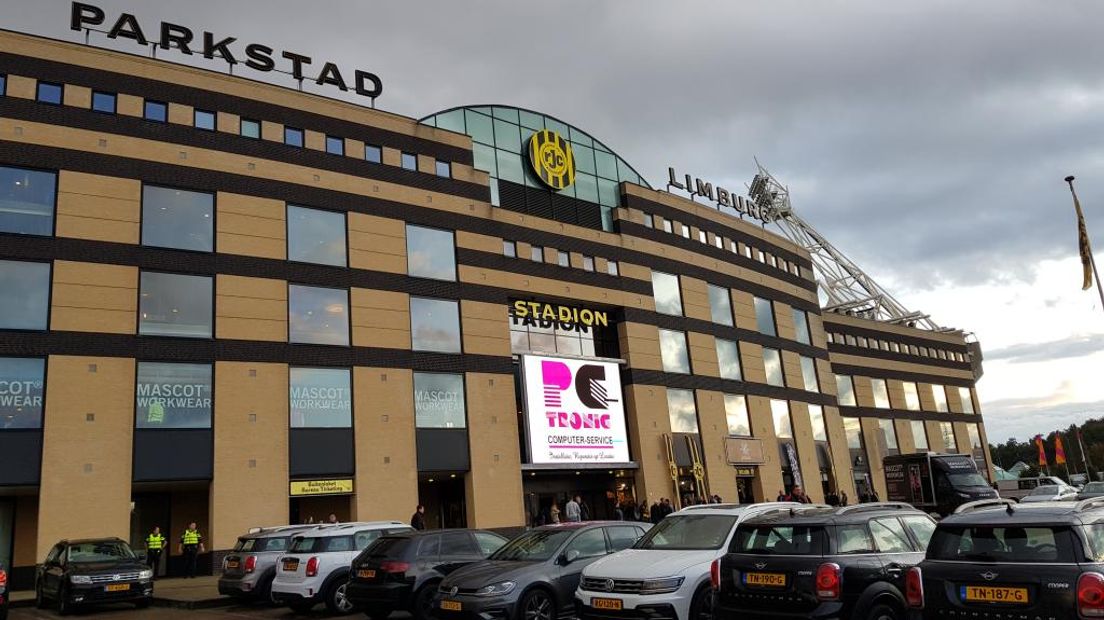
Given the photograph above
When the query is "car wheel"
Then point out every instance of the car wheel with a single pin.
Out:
(336, 601)
(538, 605)
(423, 602)
(881, 611)
(377, 613)
(701, 606)
(62, 603)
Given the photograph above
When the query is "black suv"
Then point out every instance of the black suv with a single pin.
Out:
(401, 571)
(91, 571)
(999, 560)
(822, 563)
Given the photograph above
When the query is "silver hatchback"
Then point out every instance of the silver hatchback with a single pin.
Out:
(248, 570)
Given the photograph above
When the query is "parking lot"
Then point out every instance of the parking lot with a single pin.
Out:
(127, 612)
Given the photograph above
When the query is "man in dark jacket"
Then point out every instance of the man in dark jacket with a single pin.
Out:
(418, 520)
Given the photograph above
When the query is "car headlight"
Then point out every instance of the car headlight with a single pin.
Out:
(80, 579)
(661, 586)
(145, 574)
(496, 589)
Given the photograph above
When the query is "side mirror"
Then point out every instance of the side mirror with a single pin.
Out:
(571, 556)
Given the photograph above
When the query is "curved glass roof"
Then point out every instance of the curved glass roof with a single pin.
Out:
(500, 135)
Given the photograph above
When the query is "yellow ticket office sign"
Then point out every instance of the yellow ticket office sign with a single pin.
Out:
(300, 488)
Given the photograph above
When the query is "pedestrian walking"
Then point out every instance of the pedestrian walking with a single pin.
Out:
(191, 545)
(573, 511)
(418, 520)
(155, 542)
(555, 513)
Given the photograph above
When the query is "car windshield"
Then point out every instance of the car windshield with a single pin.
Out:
(106, 551)
(972, 479)
(1093, 487)
(533, 546)
(985, 543)
(779, 540)
(688, 531)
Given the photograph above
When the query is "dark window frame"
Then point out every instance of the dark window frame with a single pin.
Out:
(196, 112)
(335, 140)
(146, 105)
(402, 161)
(348, 311)
(49, 299)
(287, 237)
(138, 306)
(142, 217)
(45, 378)
(241, 123)
(140, 361)
(103, 93)
(377, 149)
(455, 256)
(53, 215)
(291, 131)
(60, 91)
(459, 325)
(352, 396)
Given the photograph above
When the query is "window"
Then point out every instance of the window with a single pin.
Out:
(912, 396)
(668, 226)
(3, 85)
(103, 102)
(764, 316)
(170, 395)
(488, 542)
(682, 411)
(373, 154)
(536, 253)
(611, 268)
(772, 364)
(919, 435)
(965, 397)
(24, 295)
(728, 359)
(853, 539)
(588, 544)
(685, 231)
(665, 290)
(430, 253)
(845, 390)
(21, 391)
(563, 259)
(889, 436)
(622, 536)
(177, 218)
(801, 326)
(720, 305)
(320, 398)
(454, 544)
(172, 304)
(718, 242)
(672, 349)
(816, 418)
(315, 236)
(975, 436)
(293, 137)
(509, 249)
(588, 263)
(48, 92)
(809, 374)
(649, 221)
(434, 325)
(736, 413)
(335, 145)
(889, 536)
(442, 168)
(439, 400)
(202, 119)
(250, 128)
(881, 393)
(701, 236)
(27, 200)
(921, 527)
(409, 161)
(946, 429)
(318, 315)
(780, 413)
(852, 429)
(157, 111)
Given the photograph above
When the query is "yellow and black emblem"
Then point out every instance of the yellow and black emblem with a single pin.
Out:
(551, 158)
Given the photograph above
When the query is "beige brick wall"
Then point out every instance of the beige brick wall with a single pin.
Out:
(251, 226)
(493, 485)
(97, 207)
(89, 297)
(485, 328)
(251, 308)
(387, 466)
(377, 243)
(380, 318)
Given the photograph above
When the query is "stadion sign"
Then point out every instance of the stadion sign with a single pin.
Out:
(575, 412)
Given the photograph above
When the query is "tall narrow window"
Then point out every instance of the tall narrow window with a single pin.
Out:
(316, 236)
(772, 364)
(912, 396)
(881, 393)
(801, 326)
(946, 429)
(764, 316)
(816, 418)
(889, 436)
(809, 374)
(780, 413)
(720, 305)
(736, 413)
(939, 395)
(964, 395)
(588, 263)
(665, 290)
(919, 435)
(845, 390)
(728, 359)
(672, 347)
(611, 268)
(682, 411)
(536, 253)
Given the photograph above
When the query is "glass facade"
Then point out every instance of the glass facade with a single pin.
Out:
(889, 436)
(171, 395)
(439, 400)
(318, 315)
(316, 236)
(320, 398)
(672, 349)
(764, 316)
(22, 388)
(809, 374)
(665, 290)
(434, 325)
(801, 326)
(881, 393)
(27, 200)
(720, 305)
(177, 218)
(965, 397)
(171, 304)
(500, 137)
(772, 364)
(736, 412)
(919, 435)
(816, 418)
(845, 390)
(728, 359)
(780, 413)
(24, 295)
(682, 410)
(939, 395)
(430, 253)
(912, 396)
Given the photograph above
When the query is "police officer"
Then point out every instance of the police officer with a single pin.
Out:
(155, 542)
(191, 545)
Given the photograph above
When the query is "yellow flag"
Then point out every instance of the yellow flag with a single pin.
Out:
(1083, 244)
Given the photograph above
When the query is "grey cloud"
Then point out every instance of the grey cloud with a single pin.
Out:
(1023, 418)
(1074, 346)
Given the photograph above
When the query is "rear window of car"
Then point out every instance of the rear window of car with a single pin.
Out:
(779, 540)
(688, 531)
(322, 544)
(1002, 544)
(245, 544)
(387, 547)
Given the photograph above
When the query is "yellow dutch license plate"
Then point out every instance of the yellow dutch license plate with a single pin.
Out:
(994, 594)
(606, 603)
(366, 573)
(291, 565)
(451, 605)
(117, 587)
(768, 580)
(232, 564)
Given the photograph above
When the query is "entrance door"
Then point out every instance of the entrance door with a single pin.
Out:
(7, 531)
(149, 510)
(444, 499)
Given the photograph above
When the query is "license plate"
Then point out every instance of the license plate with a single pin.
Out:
(366, 573)
(605, 603)
(993, 594)
(116, 587)
(769, 580)
(291, 565)
(451, 605)
(232, 564)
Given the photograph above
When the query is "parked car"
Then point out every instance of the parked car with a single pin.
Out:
(1017, 488)
(90, 571)
(315, 569)
(841, 563)
(3, 592)
(1090, 490)
(534, 576)
(1050, 493)
(401, 571)
(1012, 560)
(667, 571)
(248, 571)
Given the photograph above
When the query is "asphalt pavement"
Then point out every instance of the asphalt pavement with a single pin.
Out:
(128, 612)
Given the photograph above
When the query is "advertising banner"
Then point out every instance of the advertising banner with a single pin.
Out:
(171, 395)
(574, 410)
(320, 398)
(299, 488)
(21, 381)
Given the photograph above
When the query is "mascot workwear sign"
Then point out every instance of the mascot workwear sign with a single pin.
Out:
(575, 411)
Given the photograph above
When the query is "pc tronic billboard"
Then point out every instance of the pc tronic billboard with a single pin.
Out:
(575, 411)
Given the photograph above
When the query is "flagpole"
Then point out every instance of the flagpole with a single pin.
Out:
(1092, 258)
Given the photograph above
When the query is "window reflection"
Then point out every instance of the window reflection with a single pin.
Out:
(316, 236)
(177, 218)
(665, 290)
(682, 410)
(172, 304)
(430, 253)
(736, 412)
(27, 201)
(318, 315)
(672, 347)
(435, 325)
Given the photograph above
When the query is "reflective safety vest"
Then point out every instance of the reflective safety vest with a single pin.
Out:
(190, 537)
(155, 541)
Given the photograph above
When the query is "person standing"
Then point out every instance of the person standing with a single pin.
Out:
(572, 510)
(191, 545)
(332, 518)
(418, 520)
(555, 513)
(797, 494)
(155, 542)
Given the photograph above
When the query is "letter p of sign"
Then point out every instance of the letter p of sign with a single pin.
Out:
(556, 377)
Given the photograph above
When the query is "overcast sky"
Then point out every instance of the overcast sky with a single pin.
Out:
(928, 140)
